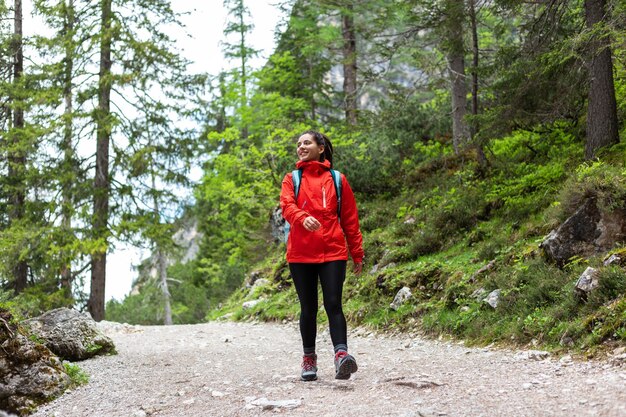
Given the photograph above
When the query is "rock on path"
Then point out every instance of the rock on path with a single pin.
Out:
(243, 369)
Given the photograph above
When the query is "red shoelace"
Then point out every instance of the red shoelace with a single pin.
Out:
(308, 363)
(340, 354)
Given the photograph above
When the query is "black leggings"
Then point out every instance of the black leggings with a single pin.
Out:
(331, 276)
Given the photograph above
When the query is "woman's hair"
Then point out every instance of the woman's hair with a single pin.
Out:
(322, 140)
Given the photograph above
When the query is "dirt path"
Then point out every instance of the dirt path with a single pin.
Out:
(237, 369)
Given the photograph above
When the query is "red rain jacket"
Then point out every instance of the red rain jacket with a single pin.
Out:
(317, 197)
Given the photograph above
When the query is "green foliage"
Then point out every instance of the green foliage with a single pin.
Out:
(36, 300)
(189, 304)
(604, 182)
(77, 376)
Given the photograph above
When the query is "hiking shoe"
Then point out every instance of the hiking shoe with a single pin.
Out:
(309, 368)
(345, 365)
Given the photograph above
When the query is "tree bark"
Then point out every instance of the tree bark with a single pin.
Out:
(349, 64)
(480, 153)
(456, 71)
(602, 129)
(68, 151)
(244, 66)
(161, 262)
(162, 270)
(101, 181)
(17, 155)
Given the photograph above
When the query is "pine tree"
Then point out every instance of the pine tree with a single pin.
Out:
(348, 32)
(100, 227)
(239, 49)
(16, 155)
(454, 45)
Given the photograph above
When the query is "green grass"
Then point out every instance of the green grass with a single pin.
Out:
(77, 375)
(453, 220)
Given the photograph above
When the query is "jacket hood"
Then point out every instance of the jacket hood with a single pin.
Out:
(312, 164)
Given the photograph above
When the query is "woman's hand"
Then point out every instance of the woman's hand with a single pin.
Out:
(311, 224)
(357, 268)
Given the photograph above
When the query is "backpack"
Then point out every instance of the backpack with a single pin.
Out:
(296, 176)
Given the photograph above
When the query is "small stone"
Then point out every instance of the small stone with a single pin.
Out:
(266, 404)
(527, 385)
(216, 393)
(401, 297)
(493, 299)
(478, 293)
(537, 355)
(227, 339)
(613, 259)
(587, 282)
(249, 304)
(619, 360)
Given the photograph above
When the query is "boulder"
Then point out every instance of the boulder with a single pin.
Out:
(400, 298)
(277, 225)
(587, 231)
(29, 373)
(70, 334)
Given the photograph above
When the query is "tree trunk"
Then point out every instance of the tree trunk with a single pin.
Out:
(244, 68)
(349, 64)
(312, 103)
(17, 156)
(602, 108)
(162, 271)
(480, 154)
(161, 262)
(456, 70)
(101, 181)
(68, 151)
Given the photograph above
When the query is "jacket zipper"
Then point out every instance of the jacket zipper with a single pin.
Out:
(324, 197)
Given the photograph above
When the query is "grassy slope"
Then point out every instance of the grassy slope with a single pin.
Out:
(454, 218)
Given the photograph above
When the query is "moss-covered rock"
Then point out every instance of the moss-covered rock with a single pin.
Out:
(70, 334)
(30, 374)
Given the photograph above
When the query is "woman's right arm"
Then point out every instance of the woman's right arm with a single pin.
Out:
(291, 212)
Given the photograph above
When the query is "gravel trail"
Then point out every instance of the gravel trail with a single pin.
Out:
(246, 369)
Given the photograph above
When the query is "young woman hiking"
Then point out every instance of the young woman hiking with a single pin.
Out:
(322, 215)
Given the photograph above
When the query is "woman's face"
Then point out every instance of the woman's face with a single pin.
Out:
(308, 149)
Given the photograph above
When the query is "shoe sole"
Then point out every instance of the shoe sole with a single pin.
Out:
(347, 367)
(308, 377)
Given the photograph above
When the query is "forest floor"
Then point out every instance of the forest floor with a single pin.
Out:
(252, 369)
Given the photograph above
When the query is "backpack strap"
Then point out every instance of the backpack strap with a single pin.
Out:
(296, 177)
(337, 181)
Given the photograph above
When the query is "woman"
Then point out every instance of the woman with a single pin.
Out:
(320, 224)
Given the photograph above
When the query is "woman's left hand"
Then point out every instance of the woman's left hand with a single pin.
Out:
(358, 268)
